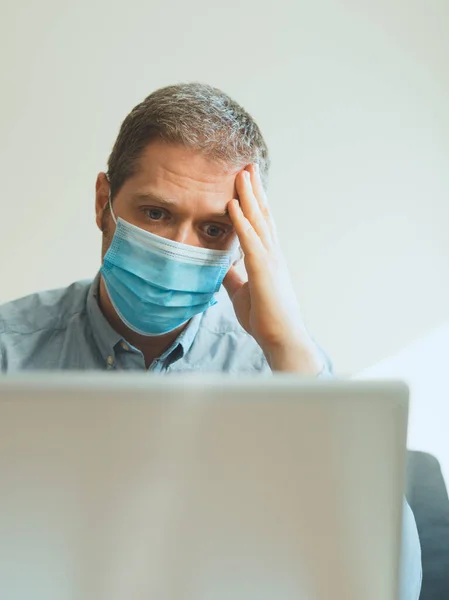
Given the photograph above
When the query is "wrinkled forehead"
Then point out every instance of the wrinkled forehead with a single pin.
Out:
(182, 171)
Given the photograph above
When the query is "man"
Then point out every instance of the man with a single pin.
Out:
(185, 192)
(189, 165)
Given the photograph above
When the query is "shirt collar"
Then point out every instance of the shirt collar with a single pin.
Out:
(185, 339)
(104, 334)
(107, 338)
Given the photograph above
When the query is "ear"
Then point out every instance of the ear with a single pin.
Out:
(101, 197)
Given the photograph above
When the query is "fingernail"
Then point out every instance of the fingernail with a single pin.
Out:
(256, 168)
(247, 175)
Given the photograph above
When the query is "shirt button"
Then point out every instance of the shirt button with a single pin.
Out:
(125, 346)
(110, 360)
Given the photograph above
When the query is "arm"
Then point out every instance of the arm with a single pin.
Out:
(265, 304)
(327, 368)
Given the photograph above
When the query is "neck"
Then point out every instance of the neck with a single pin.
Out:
(151, 347)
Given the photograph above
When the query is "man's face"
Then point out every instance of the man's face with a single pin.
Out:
(177, 194)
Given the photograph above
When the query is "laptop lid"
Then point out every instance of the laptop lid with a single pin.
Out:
(199, 488)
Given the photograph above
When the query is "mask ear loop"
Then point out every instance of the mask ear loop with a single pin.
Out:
(111, 209)
(110, 200)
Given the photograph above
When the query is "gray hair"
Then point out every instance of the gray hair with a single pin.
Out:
(195, 115)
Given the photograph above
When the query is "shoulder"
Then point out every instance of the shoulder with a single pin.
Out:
(230, 346)
(220, 318)
(223, 344)
(46, 310)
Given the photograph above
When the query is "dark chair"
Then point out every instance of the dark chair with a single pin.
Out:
(428, 498)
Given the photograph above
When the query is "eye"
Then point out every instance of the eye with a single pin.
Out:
(214, 231)
(155, 214)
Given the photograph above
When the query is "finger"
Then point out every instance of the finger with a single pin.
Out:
(250, 207)
(233, 282)
(262, 199)
(249, 239)
(258, 188)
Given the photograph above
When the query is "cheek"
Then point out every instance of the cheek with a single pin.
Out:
(107, 228)
(106, 220)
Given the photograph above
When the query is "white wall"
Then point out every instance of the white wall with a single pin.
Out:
(424, 366)
(352, 97)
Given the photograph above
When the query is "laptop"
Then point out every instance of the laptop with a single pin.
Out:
(130, 487)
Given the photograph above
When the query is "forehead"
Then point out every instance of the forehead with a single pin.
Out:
(180, 173)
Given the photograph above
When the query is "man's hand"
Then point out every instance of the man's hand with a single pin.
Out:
(266, 305)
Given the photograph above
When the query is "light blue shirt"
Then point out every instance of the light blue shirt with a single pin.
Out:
(65, 329)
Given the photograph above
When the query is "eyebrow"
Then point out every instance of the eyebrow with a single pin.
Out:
(150, 197)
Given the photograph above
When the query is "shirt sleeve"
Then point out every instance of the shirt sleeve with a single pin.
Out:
(2, 354)
(410, 570)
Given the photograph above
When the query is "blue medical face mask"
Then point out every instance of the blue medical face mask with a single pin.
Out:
(156, 285)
